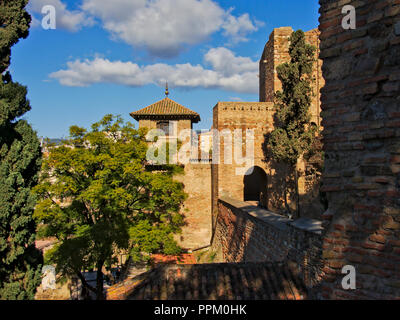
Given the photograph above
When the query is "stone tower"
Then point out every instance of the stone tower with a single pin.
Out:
(167, 115)
(276, 52)
(259, 116)
(172, 118)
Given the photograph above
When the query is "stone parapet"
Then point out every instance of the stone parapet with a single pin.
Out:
(247, 233)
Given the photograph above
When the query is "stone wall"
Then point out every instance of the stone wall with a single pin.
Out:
(260, 117)
(276, 52)
(246, 233)
(312, 37)
(197, 207)
(361, 119)
(225, 180)
(176, 127)
(231, 116)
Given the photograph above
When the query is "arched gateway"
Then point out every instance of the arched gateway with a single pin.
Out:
(254, 184)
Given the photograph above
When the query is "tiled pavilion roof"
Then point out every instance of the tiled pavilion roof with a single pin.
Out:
(221, 281)
(166, 108)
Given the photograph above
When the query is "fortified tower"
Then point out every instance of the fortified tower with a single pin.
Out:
(276, 52)
(265, 183)
(172, 118)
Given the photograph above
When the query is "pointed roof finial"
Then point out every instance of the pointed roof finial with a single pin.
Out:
(166, 89)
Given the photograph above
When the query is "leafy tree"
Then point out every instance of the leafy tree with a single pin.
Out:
(294, 135)
(98, 199)
(20, 157)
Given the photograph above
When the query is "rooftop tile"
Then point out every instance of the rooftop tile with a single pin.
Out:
(226, 281)
(165, 107)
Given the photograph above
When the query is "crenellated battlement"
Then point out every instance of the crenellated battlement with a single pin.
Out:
(245, 106)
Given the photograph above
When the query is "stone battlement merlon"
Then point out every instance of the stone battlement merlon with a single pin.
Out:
(244, 106)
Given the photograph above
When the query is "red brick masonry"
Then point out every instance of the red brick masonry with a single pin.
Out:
(361, 120)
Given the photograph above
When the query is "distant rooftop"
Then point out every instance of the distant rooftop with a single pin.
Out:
(52, 141)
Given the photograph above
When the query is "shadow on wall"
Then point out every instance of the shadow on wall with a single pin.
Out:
(239, 240)
(247, 233)
(281, 195)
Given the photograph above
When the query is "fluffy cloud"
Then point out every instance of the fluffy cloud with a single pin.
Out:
(227, 72)
(65, 19)
(164, 27)
(238, 27)
(227, 64)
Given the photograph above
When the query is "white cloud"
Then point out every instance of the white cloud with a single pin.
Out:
(164, 27)
(238, 27)
(226, 63)
(238, 74)
(71, 20)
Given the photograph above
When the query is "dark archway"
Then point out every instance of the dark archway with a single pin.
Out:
(255, 182)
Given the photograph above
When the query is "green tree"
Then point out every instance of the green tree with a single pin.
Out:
(98, 198)
(294, 135)
(20, 157)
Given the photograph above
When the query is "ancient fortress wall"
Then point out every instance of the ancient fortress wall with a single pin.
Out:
(260, 116)
(231, 116)
(197, 207)
(361, 119)
(246, 233)
(276, 52)
(242, 232)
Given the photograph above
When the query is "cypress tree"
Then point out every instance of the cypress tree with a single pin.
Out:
(294, 136)
(20, 160)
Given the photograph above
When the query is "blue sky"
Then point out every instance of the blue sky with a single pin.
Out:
(115, 56)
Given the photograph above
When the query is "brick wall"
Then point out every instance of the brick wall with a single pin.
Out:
(361, 119)
(181, 124)
(246, 233)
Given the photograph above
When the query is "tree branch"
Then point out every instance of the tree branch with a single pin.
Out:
(84, 282)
